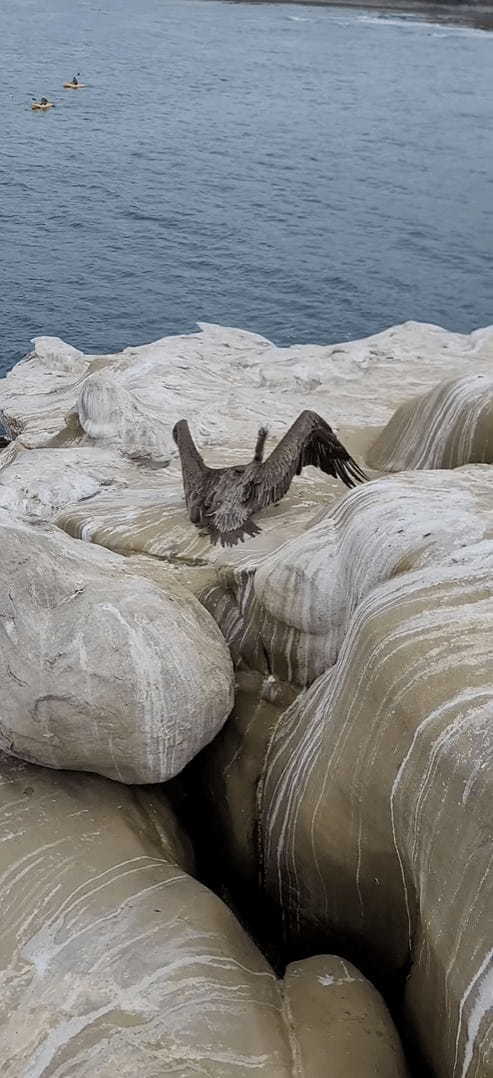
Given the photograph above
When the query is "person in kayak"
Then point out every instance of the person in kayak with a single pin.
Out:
(44, 101)
(75, 80)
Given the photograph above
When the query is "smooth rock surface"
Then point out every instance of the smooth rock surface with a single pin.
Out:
(373, 606)
(358, 1037)
(226, 382)
(103, 666)
(450, 425)
(376, 795)
(115, 961)
(40, 482)
(287, 613)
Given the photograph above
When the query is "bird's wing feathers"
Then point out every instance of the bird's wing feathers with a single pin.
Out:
(309, 440)
(193, 469)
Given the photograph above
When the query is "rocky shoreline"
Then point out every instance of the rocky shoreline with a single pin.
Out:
(245, 794)
(475, 14)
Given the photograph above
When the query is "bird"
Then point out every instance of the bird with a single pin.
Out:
(225, 500)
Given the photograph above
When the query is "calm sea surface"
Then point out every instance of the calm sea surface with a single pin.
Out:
(310, 174)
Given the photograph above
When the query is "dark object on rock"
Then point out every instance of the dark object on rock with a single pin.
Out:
(224, 500)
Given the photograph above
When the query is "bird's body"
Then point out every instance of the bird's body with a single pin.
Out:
(224, 500)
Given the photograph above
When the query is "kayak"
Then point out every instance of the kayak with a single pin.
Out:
(74, 86)
(43, 108)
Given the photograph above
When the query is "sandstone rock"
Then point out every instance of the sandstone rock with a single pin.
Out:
(377, 785)
(40, 389)
(41, 482)
(149, 516)
(228, 382)
(110, 414)
(102, 667)
(339, 862)
(358, 1038)
(450, 425)
(116, 961)
(287, 613)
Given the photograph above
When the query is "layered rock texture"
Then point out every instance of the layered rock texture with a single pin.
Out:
(381, 770)
(346, 801)
(444, 428)
(104, 666)
(115, 961)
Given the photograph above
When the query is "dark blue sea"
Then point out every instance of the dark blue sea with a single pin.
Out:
(312, 174)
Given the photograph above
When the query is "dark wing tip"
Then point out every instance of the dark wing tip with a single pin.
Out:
(350, 472)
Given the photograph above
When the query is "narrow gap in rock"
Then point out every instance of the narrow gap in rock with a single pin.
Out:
(259, 916)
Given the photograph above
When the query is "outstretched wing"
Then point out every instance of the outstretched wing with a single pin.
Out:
(193, 469)
(309, 440)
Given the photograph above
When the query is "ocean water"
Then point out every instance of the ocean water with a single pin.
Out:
(309, 174)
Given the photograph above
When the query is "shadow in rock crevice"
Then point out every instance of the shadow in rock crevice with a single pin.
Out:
(193, 801)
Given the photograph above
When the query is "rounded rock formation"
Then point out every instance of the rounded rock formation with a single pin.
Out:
(103, 667)
(115, 961)
(448, 426)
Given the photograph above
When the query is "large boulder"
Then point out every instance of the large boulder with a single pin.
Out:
(115, 961)
(376, 793)
(450, 425)
(286, 614)
(105, 666)
(357, 1039)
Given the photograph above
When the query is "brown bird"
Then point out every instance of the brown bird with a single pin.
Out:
(224, 500)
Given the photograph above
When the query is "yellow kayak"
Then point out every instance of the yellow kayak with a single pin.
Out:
(74, 86)
(42, 108)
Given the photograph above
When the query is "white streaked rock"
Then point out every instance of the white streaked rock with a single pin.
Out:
(227, 381)
(376, 794)
(104, 666)
(115, 961)
(373, 816)
(287, 612)
(450, 425)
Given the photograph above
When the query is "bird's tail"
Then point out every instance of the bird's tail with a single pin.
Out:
(237, 535)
